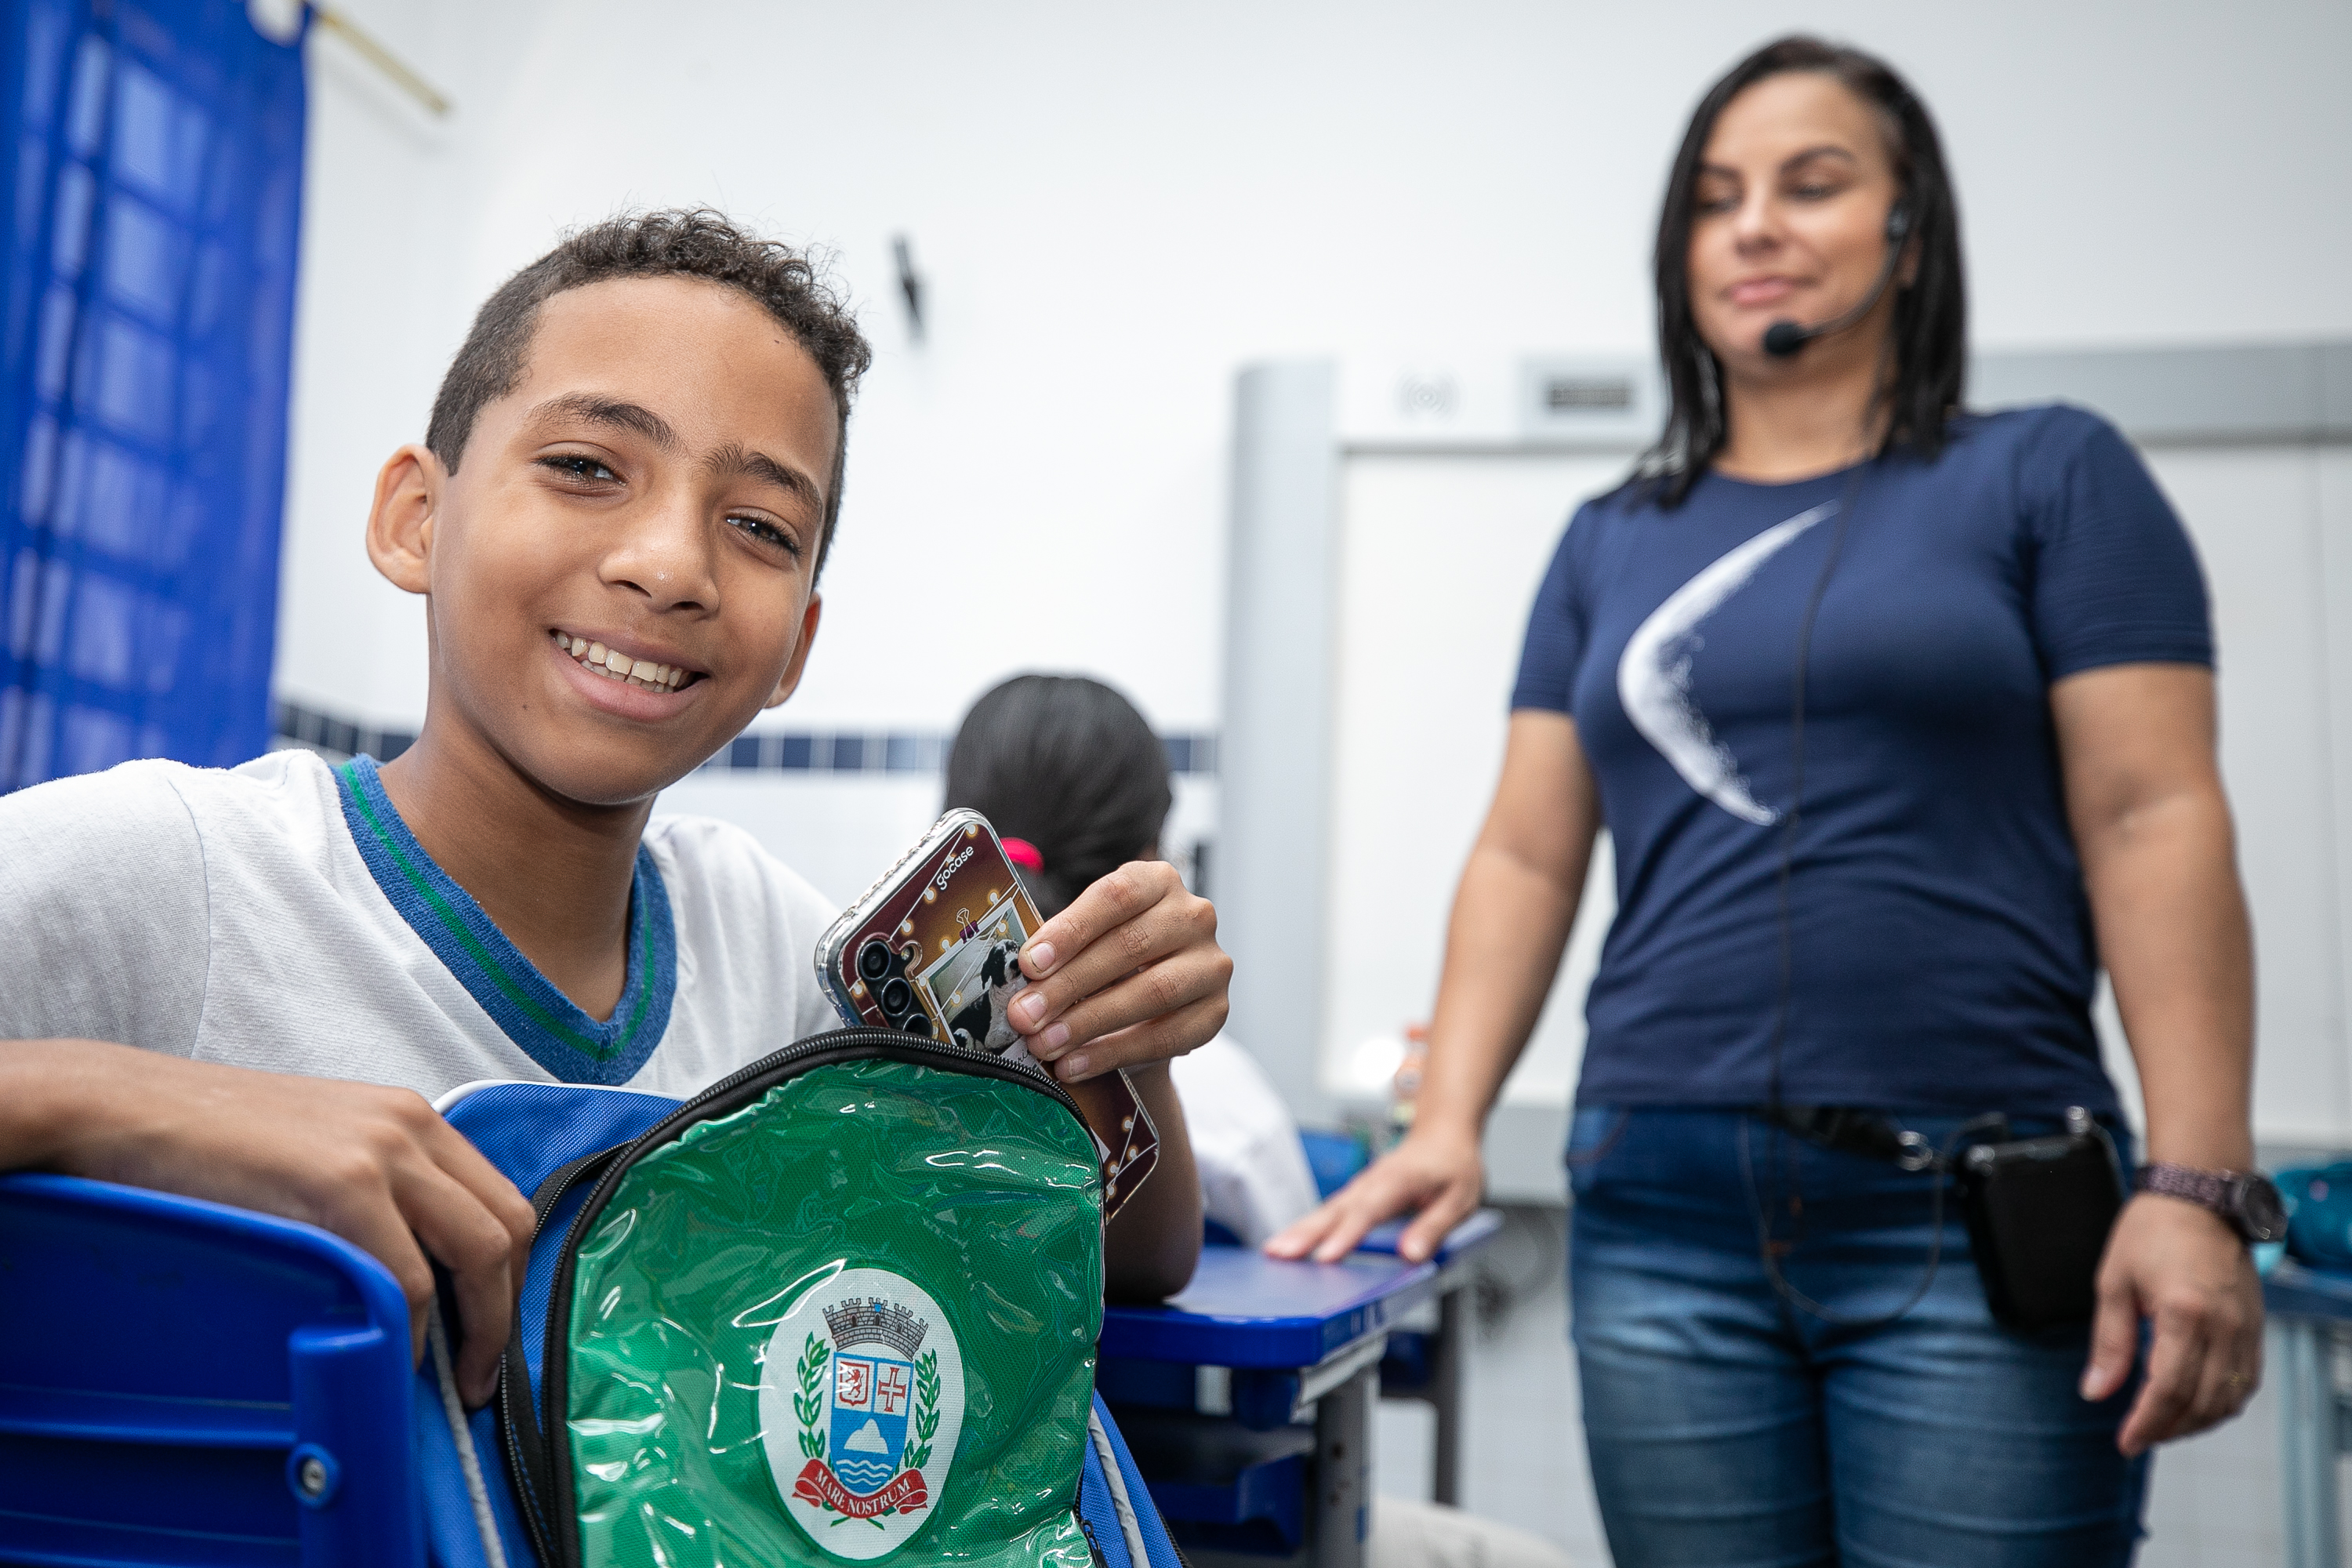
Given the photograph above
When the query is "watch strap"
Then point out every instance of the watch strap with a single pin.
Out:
(2218, 1191)
(2206, 1189)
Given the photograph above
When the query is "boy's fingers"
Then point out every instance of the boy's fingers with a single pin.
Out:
(1137, 947)
(1111, 902)
(455, 1153)
(1173, 985)
(376, 1227)
(477, 1249)
(1157, 1038)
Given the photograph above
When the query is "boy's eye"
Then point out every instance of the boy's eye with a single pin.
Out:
(580, 466)
(766, 532)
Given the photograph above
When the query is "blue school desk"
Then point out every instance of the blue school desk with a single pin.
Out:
(1210, 1389)
(2309, 1310)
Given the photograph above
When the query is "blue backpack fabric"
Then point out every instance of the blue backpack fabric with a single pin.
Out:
(530, 1131)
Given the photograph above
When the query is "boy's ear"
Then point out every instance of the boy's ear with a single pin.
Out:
(400, 524)
(809, 618)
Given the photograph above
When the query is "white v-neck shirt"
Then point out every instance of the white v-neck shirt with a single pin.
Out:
(231, 916)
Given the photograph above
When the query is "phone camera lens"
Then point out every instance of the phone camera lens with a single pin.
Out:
(874, 960)
(897, 997)
(920, 1024)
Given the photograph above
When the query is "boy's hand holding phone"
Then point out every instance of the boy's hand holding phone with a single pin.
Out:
(948, 946)
(1130, 972)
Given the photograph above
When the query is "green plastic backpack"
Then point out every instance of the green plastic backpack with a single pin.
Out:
(839, 1307)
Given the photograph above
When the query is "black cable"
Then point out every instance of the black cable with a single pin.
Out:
(1794, 815)
(1938, 1168)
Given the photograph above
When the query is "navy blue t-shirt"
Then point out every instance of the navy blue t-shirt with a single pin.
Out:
(1942, 937)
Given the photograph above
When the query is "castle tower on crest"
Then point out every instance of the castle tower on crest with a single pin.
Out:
(875, 1321)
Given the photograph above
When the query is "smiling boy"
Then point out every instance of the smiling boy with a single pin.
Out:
(243, 985)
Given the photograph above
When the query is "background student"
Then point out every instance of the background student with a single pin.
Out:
(1894, 890)
(1075, 776)
(242, 985)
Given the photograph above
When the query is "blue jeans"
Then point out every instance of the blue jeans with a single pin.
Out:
(1728, 1427)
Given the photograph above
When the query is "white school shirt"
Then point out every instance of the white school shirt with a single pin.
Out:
(280, 916)
(1254, 1178)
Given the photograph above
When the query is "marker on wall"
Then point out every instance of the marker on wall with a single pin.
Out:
(910, 286)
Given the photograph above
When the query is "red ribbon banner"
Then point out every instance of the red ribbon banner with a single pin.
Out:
(818, 1485)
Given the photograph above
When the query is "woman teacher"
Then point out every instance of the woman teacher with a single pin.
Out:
(1902, 722)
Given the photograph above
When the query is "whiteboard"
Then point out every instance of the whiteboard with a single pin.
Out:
(1439, 557)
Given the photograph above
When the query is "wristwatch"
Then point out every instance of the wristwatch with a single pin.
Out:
(2246, 1200)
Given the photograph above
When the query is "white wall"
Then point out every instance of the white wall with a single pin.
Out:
(1114, 207)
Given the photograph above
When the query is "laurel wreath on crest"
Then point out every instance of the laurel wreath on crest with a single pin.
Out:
(808, 1404)
(926, 1410)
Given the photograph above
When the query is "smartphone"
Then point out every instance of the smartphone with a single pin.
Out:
(934, 948)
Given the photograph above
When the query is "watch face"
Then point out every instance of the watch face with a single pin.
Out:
(2258, 1210)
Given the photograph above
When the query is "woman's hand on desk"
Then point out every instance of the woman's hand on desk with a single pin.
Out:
(378, 1167)
(1437, 1174)
(1129, 973)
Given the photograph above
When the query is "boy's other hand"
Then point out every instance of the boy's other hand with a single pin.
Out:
(378, 1167)
(1129, 973)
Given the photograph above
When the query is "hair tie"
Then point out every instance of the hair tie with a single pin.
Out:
(1024, 854)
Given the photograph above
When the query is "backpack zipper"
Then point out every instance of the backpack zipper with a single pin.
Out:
(559, 1548)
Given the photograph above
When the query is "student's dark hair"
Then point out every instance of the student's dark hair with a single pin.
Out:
(1070, 765)
(1930, 328)
(671, 244)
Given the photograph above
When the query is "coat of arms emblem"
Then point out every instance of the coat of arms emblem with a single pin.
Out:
(861, 1403)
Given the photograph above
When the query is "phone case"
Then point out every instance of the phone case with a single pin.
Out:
(934, 947)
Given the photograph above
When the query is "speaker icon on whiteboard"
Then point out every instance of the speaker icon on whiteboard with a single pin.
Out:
(1428, 394)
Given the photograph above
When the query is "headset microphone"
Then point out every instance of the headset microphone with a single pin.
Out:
(1783, 339)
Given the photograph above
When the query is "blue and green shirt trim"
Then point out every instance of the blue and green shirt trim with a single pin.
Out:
(548, 1025)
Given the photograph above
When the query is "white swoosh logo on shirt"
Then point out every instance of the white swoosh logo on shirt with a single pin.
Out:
(1653, 674)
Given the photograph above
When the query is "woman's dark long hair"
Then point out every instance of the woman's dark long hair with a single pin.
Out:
(1069, 764)
(1930, 331)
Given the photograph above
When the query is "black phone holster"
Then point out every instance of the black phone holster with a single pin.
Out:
(2038, 1210)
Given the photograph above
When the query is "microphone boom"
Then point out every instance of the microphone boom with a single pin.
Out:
(1783, 339)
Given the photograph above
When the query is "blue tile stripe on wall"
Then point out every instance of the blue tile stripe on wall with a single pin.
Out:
(793, 752)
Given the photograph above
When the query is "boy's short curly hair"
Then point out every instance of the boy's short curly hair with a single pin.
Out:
(675, 243)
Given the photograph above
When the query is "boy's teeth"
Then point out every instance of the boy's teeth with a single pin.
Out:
(650, 674)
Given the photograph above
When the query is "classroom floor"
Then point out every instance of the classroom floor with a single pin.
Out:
(2214, 1500)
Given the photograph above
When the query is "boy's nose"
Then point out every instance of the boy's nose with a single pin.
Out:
(667, 557)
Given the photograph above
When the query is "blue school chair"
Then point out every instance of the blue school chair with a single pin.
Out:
(188, 1385)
